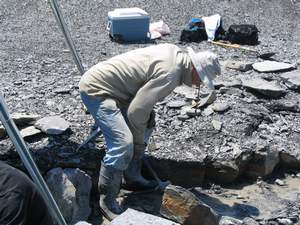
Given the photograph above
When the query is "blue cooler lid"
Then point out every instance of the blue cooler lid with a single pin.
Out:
(128, 13)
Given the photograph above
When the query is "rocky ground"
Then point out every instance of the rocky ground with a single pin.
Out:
(248, 132)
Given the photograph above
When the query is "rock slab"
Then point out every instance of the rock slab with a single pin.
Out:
(134, 217)
(183, 206)
(71, 190)
(272, 66)
(52, 125)
(267, 88)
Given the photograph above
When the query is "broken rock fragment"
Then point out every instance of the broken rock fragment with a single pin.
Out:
(216, 124)
(292, 79)
(52, 125)
(183, 206)
(134, 217)
(220, 107)
(272, 66)
(29, 132)
(267, 88)
(238, 65)
(22, 119)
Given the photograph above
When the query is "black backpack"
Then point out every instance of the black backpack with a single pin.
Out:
(242, 34)
(194, 31)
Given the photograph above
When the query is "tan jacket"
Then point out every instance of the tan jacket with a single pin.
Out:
(138, 79)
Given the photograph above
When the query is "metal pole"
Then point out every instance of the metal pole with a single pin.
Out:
(28, 161)
(61, 22)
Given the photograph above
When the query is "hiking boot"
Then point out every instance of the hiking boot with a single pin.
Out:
(109, 187)
(133, 179)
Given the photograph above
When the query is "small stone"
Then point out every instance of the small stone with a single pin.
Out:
(193, 112)
(225, 220)
(279, 182)
(208, 111)
(249, 221)
(220, 107)
(134, 217)
(272, 66)
(62, 91)
(29, 132)
(285, 221)
(216, 124)
(182, 117)
(188, 92)
(298, 175)
(176, 104)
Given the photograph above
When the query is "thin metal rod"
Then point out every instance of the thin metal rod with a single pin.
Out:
(28, 161)
(62, 24)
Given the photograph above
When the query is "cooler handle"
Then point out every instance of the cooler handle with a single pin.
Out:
(108, 25)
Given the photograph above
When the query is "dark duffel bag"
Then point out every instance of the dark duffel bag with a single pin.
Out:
(194, 31)
(243, 34)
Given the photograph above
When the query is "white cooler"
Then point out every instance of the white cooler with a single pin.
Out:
(128, 24)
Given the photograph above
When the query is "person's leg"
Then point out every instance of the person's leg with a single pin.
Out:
(133, 178)
(119, 152)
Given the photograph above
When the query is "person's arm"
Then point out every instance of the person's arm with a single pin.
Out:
(140, 107)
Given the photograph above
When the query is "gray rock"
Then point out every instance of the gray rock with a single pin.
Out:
(176, 104)
(134, 217)
(188, 92)
(29, 132)
(62, 90)
(216, 124)
(267, 88)
(292, 79)
(22, 119)
(183, 206)
(272, 66)
(238, 65)
(220, 107)
(2, 132)
(71, 190)
(52, 125)
(279, 182)
(208, 111)
(285, 221)
(193, 112)
(225, 220)
(249, 221)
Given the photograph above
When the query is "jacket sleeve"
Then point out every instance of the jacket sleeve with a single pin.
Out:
(140, 107)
